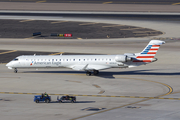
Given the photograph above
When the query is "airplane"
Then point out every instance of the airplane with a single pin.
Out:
(88, 63)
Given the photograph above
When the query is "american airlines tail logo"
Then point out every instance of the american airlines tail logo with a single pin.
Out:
(31, 63)
(147, 54)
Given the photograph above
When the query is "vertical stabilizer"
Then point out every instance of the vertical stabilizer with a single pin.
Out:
(147, 55)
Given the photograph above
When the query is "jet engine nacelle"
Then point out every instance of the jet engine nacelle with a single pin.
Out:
(122, 58)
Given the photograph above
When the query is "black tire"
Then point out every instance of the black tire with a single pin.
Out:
(37, 101)
(60, 101)
(47, 101)
(15, 70)
(96, 72)
(88, 73)
(72, 101)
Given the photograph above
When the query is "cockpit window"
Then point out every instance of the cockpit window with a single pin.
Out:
(16, 59)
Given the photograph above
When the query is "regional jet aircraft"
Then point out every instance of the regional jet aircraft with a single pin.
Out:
(88, 63)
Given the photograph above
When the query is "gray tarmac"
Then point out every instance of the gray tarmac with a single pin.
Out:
(43, 6)
(101, 1)
(153, 80)
(79, 30)
(159, 79)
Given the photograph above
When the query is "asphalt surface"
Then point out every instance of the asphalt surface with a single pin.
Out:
(159, 79)
(103, 15)
(79, 30)
(101, 1)
(26, 6)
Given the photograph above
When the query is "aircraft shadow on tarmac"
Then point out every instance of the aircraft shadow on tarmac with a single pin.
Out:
(75, 102)
(106, 74)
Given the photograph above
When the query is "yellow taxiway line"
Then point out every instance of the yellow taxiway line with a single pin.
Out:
(176, 3)
(89, 23)
(27, 20)
(57, 53)
(107, 2)
(8, 52)
(92, 95)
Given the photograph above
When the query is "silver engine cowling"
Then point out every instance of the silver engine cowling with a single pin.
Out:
(122, 58)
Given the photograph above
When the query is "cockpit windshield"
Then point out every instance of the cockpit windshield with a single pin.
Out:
(16, 59)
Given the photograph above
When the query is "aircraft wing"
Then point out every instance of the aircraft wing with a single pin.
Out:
(79, 67)
(89, 67)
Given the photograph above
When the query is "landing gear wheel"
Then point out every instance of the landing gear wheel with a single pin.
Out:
(47, 101)
(37, 101)
(88, 73)
(15, 70)
(96, 72)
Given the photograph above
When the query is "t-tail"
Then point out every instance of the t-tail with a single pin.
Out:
(149, 52)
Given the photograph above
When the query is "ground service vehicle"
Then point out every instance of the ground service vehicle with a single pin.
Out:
(71, 99)
(41, 98)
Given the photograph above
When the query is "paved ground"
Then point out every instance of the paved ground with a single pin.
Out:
(159, 79)
(101, 1)
(79, 30)
(174, 7)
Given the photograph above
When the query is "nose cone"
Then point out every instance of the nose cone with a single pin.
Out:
(9, 65)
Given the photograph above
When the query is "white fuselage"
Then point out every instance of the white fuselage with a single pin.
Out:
(46, 61)
(88, 62)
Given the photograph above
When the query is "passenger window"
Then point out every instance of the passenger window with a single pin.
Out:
(59, 59)
(74, 59)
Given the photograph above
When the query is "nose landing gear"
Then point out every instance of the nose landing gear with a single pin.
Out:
(15, 70)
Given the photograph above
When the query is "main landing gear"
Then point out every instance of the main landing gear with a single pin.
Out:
(15, 70)
(95, 72)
